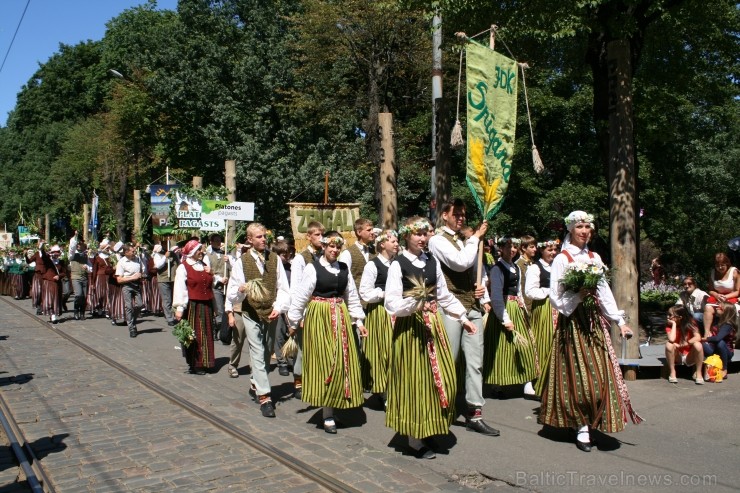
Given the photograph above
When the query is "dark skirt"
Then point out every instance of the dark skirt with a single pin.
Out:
(17, 285)
(584, 385)
(36, 290)
(200, 353)
(378, 345)
(421, 378)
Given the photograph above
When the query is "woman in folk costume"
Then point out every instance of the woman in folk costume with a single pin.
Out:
(34, 260)
(116, 308)
(331, 364)
(377, 321)
(16, 267)
(421, 376)
(193, 292)
(510, 356)
(101, 267)
(54, 271)
(151, 284)
(584, 386)
(544, 316)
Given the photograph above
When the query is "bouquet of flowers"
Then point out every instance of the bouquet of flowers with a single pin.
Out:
(184, 333)
(584, 275)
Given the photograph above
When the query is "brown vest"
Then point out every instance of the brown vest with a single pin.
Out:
(260, 310)
(460, 284)
(358, 263)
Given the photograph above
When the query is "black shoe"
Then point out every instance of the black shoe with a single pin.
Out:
(132, 332)
(283, 371)
(585, 447)
(267, 409)
(196, 371)
(298, 393)
(171, 323)
(331, 429)
(38, 311)
(425, 453)
(480, 426)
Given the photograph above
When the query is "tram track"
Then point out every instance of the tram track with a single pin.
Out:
(293, 463)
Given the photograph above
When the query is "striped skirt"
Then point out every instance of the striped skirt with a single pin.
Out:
(17, 285)
(6, 287)
(544, 319)
(115, 307)
(154, 299)
(101, 293)
(91, 293)
(584, 386)
(421, 377)
(200, 353)
(36, 290)
(506, 362)
(51, 297)
(378, 346)
(331, 363)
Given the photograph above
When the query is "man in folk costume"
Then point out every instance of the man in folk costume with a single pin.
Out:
(236, 322)
(217, 259)
(458, 261)
(78, 270)
(262, 303)
(356, 256)
(54, 271)
(166, 265)
(312, 253)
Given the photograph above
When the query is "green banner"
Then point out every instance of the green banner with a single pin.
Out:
(491, 92)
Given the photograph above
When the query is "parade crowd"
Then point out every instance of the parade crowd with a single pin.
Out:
(405, 315)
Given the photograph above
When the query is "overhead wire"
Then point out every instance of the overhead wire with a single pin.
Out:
(14, 35)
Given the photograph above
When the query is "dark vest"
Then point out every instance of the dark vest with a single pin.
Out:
(162, 271)
(428, 273)
(309, 256)
(329, 285)
(78, 266)
(460, 284)
(544, 276)
(382, 276)
(260, 310)
(511, 280)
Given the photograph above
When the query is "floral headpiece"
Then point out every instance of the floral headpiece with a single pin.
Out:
(576, 217)
(415, 227)
(548, 243)
(385, 236)
(507, 239)
(334, 240)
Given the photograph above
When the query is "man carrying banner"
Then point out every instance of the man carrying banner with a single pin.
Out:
(458, 261)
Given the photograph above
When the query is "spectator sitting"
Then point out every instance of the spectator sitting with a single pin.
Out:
(722, 338)
(724, 287)
(684, 343)
(693, 298)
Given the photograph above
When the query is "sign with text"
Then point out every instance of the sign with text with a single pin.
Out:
(227, 211)
(161, 209)
(336, 217)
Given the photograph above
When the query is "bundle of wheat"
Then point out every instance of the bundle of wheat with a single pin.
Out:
(256, 291)
(420, 292)
(290, 348)
(520, 340)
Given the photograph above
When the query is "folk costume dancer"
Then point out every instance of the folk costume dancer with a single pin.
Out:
(544, 316)
(92, 253)
(527, 256)
(282, 249)
(357, 255)
(236, 322)
(143, 257)
(116, 307)
(260, 308)
(328, 295)
(585, 388)
(166, 264)
(16, 267)
(54, 271)
(101, 269)
(34, 259)
(511, 356)
(422, 383)
(129, 273)
(378, 323)
(312, 253)
(78, 274)
(193, 293)
(151, 284)
(217, 260)
(457, 261)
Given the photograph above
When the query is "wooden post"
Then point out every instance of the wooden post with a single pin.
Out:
(137, 215)
(388, 191)
(85, 222)
(230, 181)
(623, 196)
(197, 182)
(47, 228)
(326, 187)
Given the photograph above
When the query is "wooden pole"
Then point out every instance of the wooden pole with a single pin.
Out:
(137, 214)
(85, 222)
(623, 195)
(388, 191)
(197, 182)
(47, 228)
(230, 181)
(326, 187)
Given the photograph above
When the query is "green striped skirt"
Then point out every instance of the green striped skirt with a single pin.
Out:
(581, 387)
(377, 348)
(420, 401)
(331, 364)
(543, 326)
(504, 362)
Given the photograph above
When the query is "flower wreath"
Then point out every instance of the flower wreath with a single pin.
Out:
(548, 243)
(415, 227)
(506, 239)
(334, 240)
(576, 217)
(385, 236)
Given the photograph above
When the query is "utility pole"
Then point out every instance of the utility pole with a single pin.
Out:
(137, 214)
(436, 98)
(230, 180)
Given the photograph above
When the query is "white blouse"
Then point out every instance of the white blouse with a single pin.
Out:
(532, 286)
(237, 279)
(566, 301)
(368, 292)
(301, 294)
(396, 304)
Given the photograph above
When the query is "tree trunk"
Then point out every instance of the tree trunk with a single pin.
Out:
(388, 202)
(623, 188)
(372, 136)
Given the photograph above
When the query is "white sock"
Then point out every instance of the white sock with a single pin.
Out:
(528, 389)
(583, 435)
